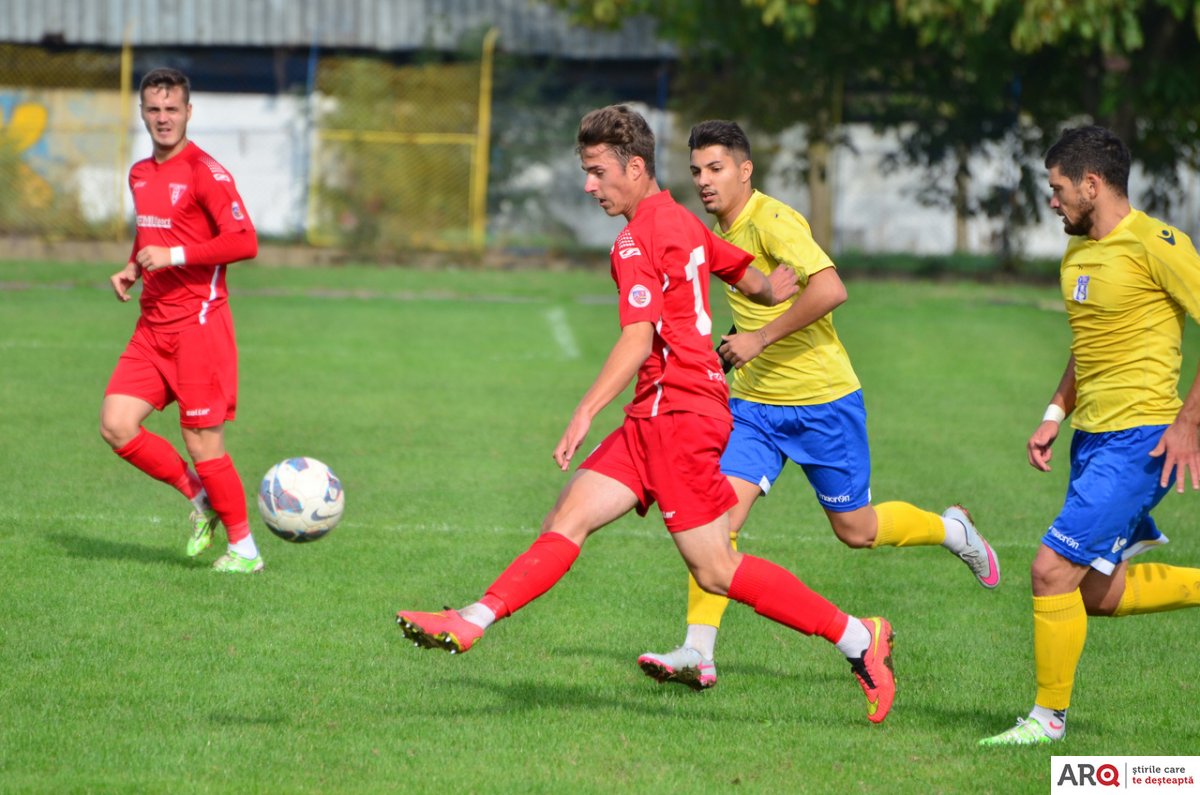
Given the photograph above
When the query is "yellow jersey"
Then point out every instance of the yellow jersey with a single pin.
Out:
(809, 366)
(1126, 296)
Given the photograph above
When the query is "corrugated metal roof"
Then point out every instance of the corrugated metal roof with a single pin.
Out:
(526, 26)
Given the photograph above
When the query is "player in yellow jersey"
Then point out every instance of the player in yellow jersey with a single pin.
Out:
(1127, 280)
(794, 396)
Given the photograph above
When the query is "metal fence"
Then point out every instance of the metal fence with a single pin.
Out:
(374, 157)
(63, 143)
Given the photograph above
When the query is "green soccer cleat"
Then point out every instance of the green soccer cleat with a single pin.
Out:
(234, 563)
(203, 524)
(1026, 732)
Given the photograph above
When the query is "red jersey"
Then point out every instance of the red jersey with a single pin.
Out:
(661, 263)
(189, 201)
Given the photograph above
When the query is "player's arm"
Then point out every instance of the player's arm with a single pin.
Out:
(1180, 443)
(632, 348)
(1061, 404)
(236, 238)
(1176, 268)
(823, 293)
(768, 290)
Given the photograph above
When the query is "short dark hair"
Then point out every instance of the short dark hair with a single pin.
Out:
(166, 78)
(718, 132)
(1091, 150)
(621, 129)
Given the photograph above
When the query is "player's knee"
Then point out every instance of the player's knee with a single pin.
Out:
(1047, 579)
(562, 522)
(712, 580)
(854, 541)
(852, 534)
(116, 434)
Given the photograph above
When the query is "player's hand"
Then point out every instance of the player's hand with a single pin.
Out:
(783, 283)
(1179, 447)
(151, 258)
(124, 279)
(738, 349)
(573, 436)
(1038, 447)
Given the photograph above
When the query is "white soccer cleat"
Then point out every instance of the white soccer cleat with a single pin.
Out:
(684, 665)
(978, 555)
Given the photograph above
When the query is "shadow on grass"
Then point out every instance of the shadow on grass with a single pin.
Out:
(77, 546)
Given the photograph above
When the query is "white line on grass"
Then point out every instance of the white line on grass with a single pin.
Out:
(556, 317)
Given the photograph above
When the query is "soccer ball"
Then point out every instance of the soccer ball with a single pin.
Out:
(300, 499)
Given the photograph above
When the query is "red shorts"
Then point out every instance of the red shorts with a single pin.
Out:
(197, 367)
(674, 459)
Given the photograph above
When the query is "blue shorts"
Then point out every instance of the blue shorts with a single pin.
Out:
(828, 441)
(1114, 486)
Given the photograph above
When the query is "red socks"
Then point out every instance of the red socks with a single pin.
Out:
(534, 572)
(777, 594)
(226, 495)
(158, 458)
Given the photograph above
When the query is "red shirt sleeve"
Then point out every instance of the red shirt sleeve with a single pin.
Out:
(639, 293)
(728, 262)
(236, 238)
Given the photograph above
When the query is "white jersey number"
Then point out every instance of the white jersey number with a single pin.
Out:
(703, 321)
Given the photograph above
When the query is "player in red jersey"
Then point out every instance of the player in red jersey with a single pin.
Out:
(191, 224)
(669, 446)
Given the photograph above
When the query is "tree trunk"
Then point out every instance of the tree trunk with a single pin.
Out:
(820, 193)
(962, 198)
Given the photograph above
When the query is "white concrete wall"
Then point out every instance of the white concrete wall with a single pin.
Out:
(263, 141)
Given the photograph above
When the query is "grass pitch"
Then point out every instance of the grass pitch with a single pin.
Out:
(437, 397)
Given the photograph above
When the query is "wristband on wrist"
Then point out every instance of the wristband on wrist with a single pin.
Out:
(177, 257)
(1054, 413)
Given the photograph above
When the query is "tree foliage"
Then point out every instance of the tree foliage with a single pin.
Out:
(954, 78)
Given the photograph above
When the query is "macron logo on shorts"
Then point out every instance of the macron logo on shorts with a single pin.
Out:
(1072, 543)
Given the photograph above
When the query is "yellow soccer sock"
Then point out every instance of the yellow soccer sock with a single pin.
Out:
(905, 525)
(1155, 587)
(1059, 631)
(705, 607)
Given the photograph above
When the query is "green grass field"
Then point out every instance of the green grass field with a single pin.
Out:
(438, 397)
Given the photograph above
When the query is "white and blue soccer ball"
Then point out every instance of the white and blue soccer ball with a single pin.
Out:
(300, 499)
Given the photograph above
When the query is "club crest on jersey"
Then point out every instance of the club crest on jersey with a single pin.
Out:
(236, 209)
(1081, 288)
(177, 189)
(639, 296)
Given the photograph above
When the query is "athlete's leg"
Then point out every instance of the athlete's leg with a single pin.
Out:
(705, 609)
(751, 461)
(857, 528)
(777, 594)
(589, 501)
(226, 494)
(1141, 588)
(121, 418)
